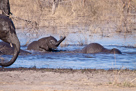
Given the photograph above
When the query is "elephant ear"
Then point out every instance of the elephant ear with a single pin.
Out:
(42, 44)
(44, 47)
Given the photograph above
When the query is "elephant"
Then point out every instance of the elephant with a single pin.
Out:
(45, 44)
(8, 34)
(97, 48)
(6, 49)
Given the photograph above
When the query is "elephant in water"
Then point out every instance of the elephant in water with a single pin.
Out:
(6, 49)
(8, 34)
(45, 44)
(97, 48)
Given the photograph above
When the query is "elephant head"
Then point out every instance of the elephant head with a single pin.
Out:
(8, 34)
(115, 51)
(49, 43)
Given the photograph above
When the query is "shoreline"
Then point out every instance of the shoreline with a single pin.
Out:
(62, 69)
(45, 79)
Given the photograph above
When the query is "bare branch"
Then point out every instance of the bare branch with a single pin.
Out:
(54, 6)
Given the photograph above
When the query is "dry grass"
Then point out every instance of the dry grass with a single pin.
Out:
(101, 16)
(126, 82)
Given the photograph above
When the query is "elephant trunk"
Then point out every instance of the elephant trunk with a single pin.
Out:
(58, 43)
(16, 44)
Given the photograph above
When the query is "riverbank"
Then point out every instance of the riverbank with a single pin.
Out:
(33, 79)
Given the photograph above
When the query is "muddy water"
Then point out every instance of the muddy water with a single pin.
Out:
(79, 60)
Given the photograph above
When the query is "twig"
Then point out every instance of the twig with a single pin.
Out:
(133, 80)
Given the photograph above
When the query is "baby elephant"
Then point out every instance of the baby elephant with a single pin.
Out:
(45, 44)
(97, 48)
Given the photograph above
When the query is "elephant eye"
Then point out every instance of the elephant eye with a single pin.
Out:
(52, 42)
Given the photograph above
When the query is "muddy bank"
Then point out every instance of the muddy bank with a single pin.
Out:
(22, 79)
(60, 70)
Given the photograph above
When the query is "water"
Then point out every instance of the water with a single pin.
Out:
(80, 60)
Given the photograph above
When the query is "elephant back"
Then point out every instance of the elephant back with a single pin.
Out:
(47, 39)
(93, 48)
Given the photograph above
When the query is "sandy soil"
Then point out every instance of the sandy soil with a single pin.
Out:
(24, 79)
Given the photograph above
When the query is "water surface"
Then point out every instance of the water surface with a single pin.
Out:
(79, 60)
